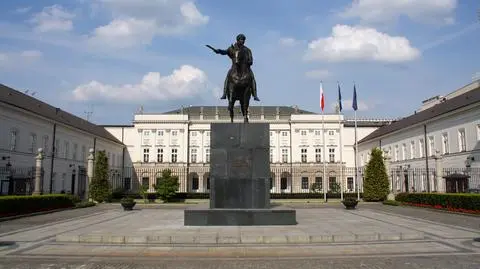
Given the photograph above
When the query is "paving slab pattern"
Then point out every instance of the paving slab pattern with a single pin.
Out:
(149, 226)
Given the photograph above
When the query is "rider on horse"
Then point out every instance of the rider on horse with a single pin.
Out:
(239, 45)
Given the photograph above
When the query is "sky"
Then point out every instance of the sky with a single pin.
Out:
(111, 57)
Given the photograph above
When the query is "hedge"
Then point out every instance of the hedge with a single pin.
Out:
(186, 195)
(461, 202)
(18, 205)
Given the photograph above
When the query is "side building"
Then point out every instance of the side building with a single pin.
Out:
(180, 140)
(27, 124)
(435, 149)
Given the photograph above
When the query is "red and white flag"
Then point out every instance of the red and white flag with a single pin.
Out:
(322, 97)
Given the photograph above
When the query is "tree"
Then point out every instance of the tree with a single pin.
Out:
(100, 187)
(167, 186)
(376, 184)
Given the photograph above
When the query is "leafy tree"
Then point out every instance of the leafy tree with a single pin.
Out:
(376, 184)
(99, 186)
(167, 186)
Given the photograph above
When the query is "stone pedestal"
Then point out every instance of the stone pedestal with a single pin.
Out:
(239, 179)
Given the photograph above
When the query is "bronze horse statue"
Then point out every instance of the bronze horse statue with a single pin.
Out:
(240, 82)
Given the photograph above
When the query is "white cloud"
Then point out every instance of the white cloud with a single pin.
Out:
(379, 11)
(53, 19)
(347, 105)
(318, 74)
(348, 43)
(288, 41)
(183, 82)
(138, 22)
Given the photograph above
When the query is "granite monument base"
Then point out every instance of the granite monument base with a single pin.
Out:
(239, 179)
(204, 216)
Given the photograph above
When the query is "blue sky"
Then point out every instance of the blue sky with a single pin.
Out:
(113, 56)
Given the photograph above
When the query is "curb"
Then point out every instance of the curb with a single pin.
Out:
(217, 239)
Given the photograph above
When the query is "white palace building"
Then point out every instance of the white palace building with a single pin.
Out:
(179, 140)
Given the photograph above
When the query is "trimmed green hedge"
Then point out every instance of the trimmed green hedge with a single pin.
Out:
(183, 196)
(18, 205)
(463, 202)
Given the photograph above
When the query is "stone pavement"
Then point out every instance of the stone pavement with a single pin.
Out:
(156, 226)
(438, 245)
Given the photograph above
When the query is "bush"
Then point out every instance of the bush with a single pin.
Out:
(167, 186)
(376, 185)
(100, 187)
(350, 202)
(464, 202)
(19, 205)
(118, 193)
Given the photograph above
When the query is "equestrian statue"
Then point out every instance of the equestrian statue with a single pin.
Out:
(240, 82)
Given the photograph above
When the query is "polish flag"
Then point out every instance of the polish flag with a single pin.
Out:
(322, 98)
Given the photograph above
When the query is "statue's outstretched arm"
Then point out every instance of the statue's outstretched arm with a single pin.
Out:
(218, 51)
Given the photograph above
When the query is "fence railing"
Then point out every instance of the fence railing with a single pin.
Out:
(17, 180)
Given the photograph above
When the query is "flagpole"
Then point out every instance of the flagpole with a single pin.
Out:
(355, 108)
(322, 104)
(341, 144)
(356, 154)
(324, 159)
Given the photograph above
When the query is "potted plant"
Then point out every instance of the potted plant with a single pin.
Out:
(127, 203)
(350, 202)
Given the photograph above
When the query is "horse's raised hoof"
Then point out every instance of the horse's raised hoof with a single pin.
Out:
(256, 99)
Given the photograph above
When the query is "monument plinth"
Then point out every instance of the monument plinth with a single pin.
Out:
(239, 179)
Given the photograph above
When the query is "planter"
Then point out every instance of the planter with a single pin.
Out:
(128, 204)
(350, 203)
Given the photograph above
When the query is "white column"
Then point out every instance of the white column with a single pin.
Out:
(91, 158)
(439, 174)
(38, 172)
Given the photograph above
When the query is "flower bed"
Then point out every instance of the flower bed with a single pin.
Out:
(456, 202)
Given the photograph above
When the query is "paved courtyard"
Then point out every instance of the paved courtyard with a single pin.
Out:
(373, 236)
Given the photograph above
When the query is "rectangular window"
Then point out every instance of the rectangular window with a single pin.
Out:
(13, 139)
(303, 132)
(284, 133)
(146, 155)
(207, 155)
(193, 155)
(412, 150)
(304, 183)
(45, 144)
(195, 183)
(67, 150)
(332, 184)
(271, 155)
(462, 140)
(57, 147)
(421, 148)
(285, 155)
(75, 149)
(159, 155)
(319, 183)
(445, 145)
(331, 155)
(33, 143)
(396, 153)
(84, 153)
(304, 155)
(174, 155)
(431, 146)
(318, 155)
(350, 183)
(174, 133)
(404, 151)
(283, 183)
(331, 132)
(146, 182)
